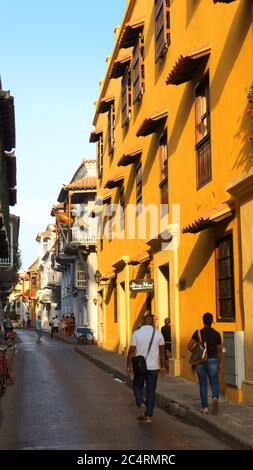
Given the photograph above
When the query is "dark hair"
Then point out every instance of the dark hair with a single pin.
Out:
(148, 318)
(207, 318)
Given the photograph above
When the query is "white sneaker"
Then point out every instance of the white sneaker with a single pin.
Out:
(204, 411)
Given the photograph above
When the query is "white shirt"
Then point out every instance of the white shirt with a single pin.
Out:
(141, 339)
(56, 323)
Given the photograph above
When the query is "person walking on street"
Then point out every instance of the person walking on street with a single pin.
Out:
(51, 324)
(166, 332)
(63, 325)
(72, 322)
(148, 342)
(211, 366)
(38, 329)
(56, 325)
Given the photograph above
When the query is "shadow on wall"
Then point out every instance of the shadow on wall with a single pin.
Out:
(199, 257)
(244, 129)
(249, 275)
(139, 319)
(235, 39)
(191, 7)
(183, 112)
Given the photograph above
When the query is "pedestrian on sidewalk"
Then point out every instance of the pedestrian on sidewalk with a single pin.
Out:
(211, 366)
(148, 342)
(38, 329)
(166, 332)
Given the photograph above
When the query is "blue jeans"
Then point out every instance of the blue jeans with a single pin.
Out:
(151, 382)
(208, 369)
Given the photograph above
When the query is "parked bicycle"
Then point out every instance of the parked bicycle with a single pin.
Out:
(7, 354)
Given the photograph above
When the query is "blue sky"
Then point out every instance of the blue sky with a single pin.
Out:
(52, 56)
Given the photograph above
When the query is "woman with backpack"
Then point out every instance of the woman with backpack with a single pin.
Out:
(210, 365)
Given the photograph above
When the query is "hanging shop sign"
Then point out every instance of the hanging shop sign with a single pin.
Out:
(141, 285)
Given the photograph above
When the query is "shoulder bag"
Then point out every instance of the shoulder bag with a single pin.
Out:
(199, 353)
(139, 363)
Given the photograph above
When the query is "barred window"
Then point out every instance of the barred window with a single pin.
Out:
(126, 97)
(163, 147)
(162, 28)
(80, 275)
(138, 69)
(111, 129)
(138, 172)
(100, 153)
(225, 298)
(203, 137)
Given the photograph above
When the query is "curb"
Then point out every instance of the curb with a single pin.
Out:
(180, 409)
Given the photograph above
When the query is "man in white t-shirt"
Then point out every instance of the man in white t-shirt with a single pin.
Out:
(155, 360)
(56, 325)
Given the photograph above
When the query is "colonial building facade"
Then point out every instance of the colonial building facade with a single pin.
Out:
(174, 179)
(9, 224)
(76, 254)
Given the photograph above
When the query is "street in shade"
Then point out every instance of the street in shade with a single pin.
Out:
(61, 401)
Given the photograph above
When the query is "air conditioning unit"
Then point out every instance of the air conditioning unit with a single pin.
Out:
(234, 364)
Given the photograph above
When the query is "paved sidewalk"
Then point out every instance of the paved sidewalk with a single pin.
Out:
(180, 397)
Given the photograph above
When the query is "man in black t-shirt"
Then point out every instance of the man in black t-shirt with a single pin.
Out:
(209, 368)
(166, 332)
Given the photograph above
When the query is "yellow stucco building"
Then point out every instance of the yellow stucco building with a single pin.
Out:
(171, 128)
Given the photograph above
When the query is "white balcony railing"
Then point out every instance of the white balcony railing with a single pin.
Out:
(82, 236)
(5, 262)
(52, 279)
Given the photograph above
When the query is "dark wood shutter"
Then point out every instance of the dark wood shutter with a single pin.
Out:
(202, 132)
(163, 159)
(111, 129)
(162, 27)
(138, 172)
(225, 279)
(126, 97)
(138, 69)
(100, 152)
(122, 207)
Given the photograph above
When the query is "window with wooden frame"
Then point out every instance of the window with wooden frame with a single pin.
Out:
(138, 73)
(138, 173)
(225, 298)
(80, 275)
(111, 129)
(163, 161)
(203, 136)
(126, 97)
(162, 28)
(100, 153)
(122, 207)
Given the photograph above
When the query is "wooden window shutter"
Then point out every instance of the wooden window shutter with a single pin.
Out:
(138, 172)
(122, 207)
(126, 97)
(162, 27)
(202, 133)
(138, 69)
(100, 152)
(225, 299)
(163, 160)
(111, 129)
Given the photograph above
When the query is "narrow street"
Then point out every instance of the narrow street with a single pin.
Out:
(61, 401)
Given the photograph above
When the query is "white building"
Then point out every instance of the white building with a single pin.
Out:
(76, 252)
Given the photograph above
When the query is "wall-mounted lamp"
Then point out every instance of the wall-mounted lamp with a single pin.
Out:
(97, 276)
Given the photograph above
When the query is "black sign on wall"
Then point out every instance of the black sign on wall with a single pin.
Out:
(141, 285)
